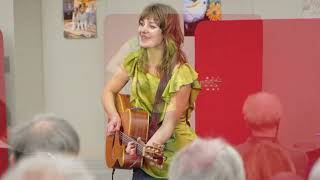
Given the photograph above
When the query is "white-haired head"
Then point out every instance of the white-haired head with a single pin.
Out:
(315, 171)
(44, 166)
(207, 160)
(45, 133)
(262, 110)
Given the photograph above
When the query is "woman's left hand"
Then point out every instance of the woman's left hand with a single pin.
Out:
(131, 148)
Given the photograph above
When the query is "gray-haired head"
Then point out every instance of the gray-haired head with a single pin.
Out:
(45, 133)
(315, 171)
(207, 160)
(44, 167)
(262, 110)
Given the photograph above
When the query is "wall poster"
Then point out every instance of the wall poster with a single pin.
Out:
(79, 19)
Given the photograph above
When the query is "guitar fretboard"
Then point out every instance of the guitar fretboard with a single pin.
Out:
(126, 139)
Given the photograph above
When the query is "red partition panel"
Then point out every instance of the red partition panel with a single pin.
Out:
(3, 123)
(228, 58)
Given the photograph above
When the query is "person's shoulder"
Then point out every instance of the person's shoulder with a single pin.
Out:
(131, 61)
(183, 67)
(295, 152)
(244, 147)
(184, 74)
(132, 57)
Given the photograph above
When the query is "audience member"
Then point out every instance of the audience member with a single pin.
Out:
(45, 133)
(263, 112)
(315, 171)
(265, 159)
(44, 167)
(207, 160)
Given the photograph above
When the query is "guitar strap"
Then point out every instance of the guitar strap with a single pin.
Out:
(158, 105)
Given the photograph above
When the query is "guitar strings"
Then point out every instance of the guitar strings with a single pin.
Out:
(128, 139)
(140, 146)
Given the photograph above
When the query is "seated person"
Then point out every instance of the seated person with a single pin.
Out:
(265, 159)
(48, 167)
(315, 171)
(45, 133)
(263, 112)
(207, 160)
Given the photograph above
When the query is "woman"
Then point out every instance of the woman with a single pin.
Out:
(160, 55)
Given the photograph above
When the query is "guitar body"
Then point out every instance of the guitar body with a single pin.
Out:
(135, 123)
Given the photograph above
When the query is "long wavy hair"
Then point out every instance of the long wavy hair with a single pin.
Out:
(167, 19)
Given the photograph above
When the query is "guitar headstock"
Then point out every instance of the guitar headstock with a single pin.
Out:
(155, 154)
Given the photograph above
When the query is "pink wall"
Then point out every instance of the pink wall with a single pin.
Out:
(118, 28)
(291, 69)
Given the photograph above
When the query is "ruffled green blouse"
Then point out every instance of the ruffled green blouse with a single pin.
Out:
(143, 91)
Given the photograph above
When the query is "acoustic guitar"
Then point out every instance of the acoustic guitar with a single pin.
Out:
(134, 124)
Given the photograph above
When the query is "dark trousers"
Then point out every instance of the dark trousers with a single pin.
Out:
(139, 174)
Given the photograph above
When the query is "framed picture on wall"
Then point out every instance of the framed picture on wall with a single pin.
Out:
(79, 19)
(195, 11)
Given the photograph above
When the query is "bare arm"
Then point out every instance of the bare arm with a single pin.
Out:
(117, 82)
(177, 107)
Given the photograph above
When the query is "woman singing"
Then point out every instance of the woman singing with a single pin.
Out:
(159, 56)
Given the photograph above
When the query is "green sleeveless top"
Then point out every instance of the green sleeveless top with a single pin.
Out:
(143, 91)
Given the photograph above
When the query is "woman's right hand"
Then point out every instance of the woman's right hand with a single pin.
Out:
(114, 125)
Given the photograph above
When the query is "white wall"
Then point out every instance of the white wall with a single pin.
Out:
(270, 9)
(278, 9)
(7, 26)
(27, 66)
(136, 6)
